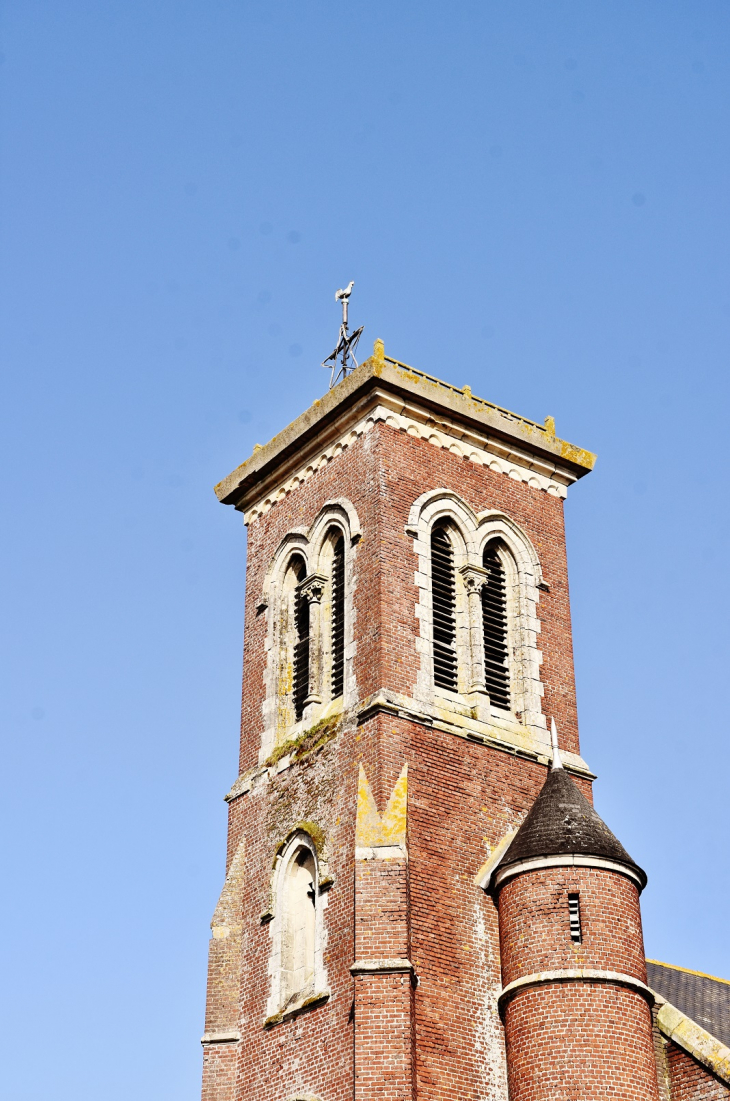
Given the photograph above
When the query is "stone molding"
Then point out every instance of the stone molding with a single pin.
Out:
(384, 967)
(231, 1037)
(564, 860)
(584, 974)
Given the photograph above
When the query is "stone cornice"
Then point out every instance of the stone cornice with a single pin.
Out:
(507, 737)
(564, 860)
(422, 405)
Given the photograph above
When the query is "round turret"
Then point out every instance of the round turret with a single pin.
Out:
(575, 1004)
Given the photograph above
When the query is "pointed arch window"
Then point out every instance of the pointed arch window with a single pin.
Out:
(495, 625)
(338, 618)
(443, 594)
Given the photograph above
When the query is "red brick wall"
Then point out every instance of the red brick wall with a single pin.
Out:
(384, 1038)
(535, 928)
(219, 1072)
(690, 1081)
(580, 1042)
(381, 915)
(383, 1002)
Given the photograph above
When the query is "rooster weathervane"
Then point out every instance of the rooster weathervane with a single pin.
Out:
(342, 361)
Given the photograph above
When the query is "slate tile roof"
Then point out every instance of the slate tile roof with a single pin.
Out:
(561, 820)
(703, 998)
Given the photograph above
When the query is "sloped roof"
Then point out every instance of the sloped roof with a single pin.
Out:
(561, 820)
(703, 998)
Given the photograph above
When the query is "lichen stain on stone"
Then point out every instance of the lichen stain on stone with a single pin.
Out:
(373, 830)
(308, 742)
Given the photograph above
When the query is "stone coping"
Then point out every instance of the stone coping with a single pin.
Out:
(383, 373)
(692, 1038)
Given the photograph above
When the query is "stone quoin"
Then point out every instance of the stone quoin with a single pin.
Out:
(420, 901)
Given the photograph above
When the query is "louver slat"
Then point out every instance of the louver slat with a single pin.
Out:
(338, 618)
(443, 589)
(574, 915)
(300, 688)
(494, 618)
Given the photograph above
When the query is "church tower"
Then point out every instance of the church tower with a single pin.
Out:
(384, 931)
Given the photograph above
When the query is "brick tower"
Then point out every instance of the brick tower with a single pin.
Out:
(407, 639)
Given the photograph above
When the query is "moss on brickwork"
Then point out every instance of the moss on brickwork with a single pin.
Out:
(308, 742)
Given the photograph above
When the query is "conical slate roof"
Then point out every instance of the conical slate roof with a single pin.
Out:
(561, 820)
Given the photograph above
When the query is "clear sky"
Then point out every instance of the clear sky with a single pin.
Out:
(532, 198)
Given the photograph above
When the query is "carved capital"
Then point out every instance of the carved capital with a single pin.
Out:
(312, 588)
(475, 577)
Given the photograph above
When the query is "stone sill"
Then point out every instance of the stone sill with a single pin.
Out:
(299, 1007)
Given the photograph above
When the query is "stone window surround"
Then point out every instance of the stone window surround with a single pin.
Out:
(313, 545)
(276, 1009)
(471, 532)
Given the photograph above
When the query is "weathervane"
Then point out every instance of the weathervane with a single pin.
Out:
(346, 344)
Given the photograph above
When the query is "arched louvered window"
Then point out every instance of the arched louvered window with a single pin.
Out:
(338, 617)
(300, 678)
(443, 592)
(494, 615)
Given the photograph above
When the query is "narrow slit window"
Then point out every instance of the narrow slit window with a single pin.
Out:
(300, 686)
(494, 617)
(338, 618)
(574, 914)
(443, 588)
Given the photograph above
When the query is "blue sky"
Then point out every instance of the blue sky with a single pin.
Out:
(532, 199)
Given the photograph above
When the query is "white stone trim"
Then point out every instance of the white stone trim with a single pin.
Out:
(312, 544)
(231, 1037)
(524, 576)
(565, 860)
(381, 852)
(579, 974)
(445, 434)
(276, 1003)
(386, 967)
